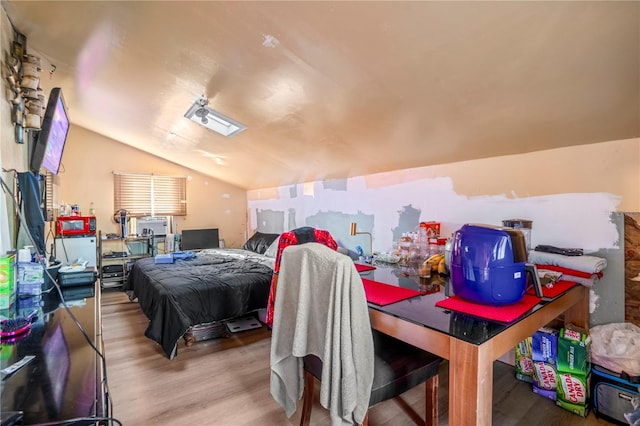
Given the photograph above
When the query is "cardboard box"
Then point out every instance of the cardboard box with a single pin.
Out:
(25, 305)
(573, 370)
(573, 393)
(581, 410)
(29, 289)
(544, 376)
(544, 345)
(545, 380)
(573, 351)
(30, 273)
(549, 394)
(431, 228)
(524, 362)
(6, 281)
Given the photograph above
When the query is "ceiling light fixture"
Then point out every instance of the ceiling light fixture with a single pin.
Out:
(200, 113)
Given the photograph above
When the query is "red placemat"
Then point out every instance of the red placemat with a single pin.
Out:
(506, 313)
(362, 268)
(558, 288)
(385, 294)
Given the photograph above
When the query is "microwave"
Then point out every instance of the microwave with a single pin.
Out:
(75, 225)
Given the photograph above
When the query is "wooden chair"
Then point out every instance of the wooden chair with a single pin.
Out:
(303, 306)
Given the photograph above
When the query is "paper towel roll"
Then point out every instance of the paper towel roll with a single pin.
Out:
(24, 255)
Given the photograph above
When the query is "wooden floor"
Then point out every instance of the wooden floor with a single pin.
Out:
(226, 382)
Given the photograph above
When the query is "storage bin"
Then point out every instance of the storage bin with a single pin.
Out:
(612, 394)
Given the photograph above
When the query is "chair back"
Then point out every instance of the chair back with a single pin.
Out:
(321, 310)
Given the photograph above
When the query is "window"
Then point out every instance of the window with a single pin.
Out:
(150, 195)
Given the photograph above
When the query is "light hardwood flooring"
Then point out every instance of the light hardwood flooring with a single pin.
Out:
(226, 382)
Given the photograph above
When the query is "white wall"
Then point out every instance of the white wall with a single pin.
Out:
(569, 193)
(573, 196)
(86, 177)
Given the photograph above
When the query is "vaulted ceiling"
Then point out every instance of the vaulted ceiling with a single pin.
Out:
(337, 89)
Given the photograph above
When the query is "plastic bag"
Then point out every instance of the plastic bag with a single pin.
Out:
(634, 417)
(616, 346)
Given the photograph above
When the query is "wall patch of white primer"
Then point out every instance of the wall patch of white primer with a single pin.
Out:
(593, 301)
(564, 220)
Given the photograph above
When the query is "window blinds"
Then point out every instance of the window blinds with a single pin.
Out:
(150, 195)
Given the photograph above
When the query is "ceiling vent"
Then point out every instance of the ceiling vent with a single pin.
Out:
(213, 120)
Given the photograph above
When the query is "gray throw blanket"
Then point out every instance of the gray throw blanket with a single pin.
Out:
(321, 309)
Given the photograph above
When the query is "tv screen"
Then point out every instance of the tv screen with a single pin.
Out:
(49, 145)
(199, 239)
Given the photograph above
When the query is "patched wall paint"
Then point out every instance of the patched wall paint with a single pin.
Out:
(388, 204)
(566, 220)
(571, 195)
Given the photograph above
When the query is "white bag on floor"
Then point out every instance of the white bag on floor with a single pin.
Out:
(616, 346)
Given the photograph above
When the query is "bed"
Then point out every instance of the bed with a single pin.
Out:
(215, 285)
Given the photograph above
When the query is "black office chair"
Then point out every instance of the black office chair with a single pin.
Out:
(397, 366)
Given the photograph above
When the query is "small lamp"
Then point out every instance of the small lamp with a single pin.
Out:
(354, 231)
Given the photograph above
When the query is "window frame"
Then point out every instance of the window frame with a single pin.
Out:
(144, 195)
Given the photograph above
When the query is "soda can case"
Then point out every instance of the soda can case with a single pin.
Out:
(544, 346)
(612, 393)
(572, 392)
(524, 362)
(7, 281)
(573, 352)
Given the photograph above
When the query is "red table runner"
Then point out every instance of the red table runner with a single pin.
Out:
(385, 294)
(506, 313)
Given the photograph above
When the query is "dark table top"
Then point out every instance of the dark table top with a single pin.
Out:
(422, 310)
(63, 380)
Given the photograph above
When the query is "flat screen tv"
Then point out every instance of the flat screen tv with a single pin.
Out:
(49, 144)
(199, 239)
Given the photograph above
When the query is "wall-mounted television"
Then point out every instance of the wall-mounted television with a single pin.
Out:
(49, 143)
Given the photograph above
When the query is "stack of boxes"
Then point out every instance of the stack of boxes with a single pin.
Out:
(574, 370)
(557, 365)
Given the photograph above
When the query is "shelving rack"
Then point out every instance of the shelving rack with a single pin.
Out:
(117, 255)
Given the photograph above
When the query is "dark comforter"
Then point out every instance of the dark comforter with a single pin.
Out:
(208, 288)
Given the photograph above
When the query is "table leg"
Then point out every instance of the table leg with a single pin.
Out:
(470, 384)
(578, 314)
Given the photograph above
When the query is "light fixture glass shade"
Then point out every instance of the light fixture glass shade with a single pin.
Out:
(213, 120)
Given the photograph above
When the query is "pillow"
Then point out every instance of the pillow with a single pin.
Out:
(272, 251)
(259, 242)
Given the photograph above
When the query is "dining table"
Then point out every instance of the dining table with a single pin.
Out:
(470, 343)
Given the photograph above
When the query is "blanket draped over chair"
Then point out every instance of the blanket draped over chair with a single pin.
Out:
(321, 309)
